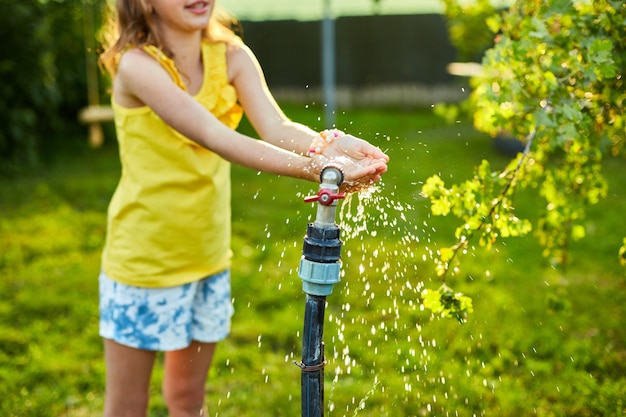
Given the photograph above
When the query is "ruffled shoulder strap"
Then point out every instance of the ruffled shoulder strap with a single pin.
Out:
(215, 60)
(166, 63)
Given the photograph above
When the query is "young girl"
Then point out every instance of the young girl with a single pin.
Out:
(181, 81)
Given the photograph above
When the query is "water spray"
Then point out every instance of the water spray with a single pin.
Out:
(319, 271)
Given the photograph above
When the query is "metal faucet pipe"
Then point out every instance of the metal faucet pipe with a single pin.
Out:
(331, 178)
(319, 271)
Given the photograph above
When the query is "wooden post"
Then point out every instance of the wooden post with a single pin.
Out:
(96, 136)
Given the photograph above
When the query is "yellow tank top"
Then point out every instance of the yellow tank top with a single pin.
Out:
(169, 218)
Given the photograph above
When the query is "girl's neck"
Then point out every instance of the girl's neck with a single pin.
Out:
(187, 50)
(186, 46)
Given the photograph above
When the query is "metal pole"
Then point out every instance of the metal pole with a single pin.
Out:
(328, 65)
(319, 271)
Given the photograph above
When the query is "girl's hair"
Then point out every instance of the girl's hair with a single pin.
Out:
(131, 24)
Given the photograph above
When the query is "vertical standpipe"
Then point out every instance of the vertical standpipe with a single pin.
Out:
(319, 271)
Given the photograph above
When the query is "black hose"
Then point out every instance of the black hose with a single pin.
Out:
(313, 357)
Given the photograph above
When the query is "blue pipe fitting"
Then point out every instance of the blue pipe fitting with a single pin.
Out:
(318, 278)
(320, 263)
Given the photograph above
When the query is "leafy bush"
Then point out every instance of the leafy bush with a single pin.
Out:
(554, 77)
(42, 65)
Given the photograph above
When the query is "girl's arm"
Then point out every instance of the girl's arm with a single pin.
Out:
(270, 122)
(142, 81)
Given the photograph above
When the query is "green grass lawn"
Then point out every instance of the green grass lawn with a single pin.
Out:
(541, 341)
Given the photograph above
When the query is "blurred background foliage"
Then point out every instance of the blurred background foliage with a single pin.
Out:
(43, 68)
(554, 79)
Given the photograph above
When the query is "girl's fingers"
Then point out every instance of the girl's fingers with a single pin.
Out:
(375, 153)
(370, 172)
(354, 148)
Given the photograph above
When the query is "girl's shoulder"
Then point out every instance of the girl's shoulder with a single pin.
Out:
(138, 72)
(143, 60)
(135, 59)
(235, 48)
(133, 65)
(239, 54)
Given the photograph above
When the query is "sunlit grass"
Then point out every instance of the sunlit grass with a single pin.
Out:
(540, 342)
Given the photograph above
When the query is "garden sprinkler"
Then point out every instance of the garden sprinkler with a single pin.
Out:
(319, 271)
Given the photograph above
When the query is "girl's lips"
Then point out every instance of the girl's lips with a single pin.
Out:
(198, 7)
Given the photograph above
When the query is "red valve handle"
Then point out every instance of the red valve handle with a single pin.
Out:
(325, 197)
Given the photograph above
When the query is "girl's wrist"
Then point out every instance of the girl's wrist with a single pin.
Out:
(323, 140)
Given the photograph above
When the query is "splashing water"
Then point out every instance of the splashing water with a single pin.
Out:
(378, 308)
(375, 315)
(389, 289)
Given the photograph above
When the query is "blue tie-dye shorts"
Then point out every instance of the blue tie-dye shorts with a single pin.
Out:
(166, 318)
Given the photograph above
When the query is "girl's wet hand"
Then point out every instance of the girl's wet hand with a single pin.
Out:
(362, 174)
(354, 148)
(361, 162)
(358, 174)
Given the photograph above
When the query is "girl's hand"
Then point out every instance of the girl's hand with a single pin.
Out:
(362, 163)
(353, 148)
(358, 174)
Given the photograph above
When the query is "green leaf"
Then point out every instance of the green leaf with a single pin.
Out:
(600, 56)
(446, 254)
(560, 6)
(578, 232)
(447, 303)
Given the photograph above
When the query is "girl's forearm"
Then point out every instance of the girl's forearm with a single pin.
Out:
(291, 136)
(259, 155)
